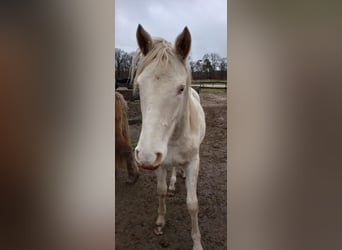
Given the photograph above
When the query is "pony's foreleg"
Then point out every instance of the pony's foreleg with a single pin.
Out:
(192, 202)
(173, 179)
(161, 190)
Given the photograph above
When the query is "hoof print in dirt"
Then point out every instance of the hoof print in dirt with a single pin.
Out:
(158, 230)
(164, 243)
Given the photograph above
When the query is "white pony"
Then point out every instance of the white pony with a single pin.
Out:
(173, 122)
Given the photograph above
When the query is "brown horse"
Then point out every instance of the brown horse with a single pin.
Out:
(123, 149)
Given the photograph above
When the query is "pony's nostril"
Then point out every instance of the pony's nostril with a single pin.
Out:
(158, 159)
(148, 159)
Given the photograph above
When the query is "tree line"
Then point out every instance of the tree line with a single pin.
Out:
(211, 66)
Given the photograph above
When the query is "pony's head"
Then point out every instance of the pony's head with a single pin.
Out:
(163, 78)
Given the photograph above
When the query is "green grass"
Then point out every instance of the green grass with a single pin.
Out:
(208, 81)
(136, 102)
(212, 90)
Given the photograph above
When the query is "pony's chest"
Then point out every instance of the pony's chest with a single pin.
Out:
(179, 154)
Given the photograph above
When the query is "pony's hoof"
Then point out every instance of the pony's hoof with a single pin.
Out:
(132, 179)
(158, 230)
(170, 193)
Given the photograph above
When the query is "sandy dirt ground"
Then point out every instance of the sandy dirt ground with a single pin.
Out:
(136, 205)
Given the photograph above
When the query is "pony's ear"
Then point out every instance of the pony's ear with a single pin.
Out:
(183, 43)
(144, 40)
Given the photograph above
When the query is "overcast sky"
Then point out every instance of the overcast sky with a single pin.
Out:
(206, 20)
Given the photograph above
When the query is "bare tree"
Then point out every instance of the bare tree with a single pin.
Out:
(223, 64)
(223, 68)
(198, 66)
(118, 62)
(215, 61)
(207, 67)
(192, 66)
(122, 63)
(211, 66)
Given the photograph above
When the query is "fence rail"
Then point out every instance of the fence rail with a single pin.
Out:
(210, 84)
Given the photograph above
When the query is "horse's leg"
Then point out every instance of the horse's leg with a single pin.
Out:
(192, 202)
(173, 179)
(161, 190)
(132, 169)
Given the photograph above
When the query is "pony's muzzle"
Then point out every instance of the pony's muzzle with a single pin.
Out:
(147, 160)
